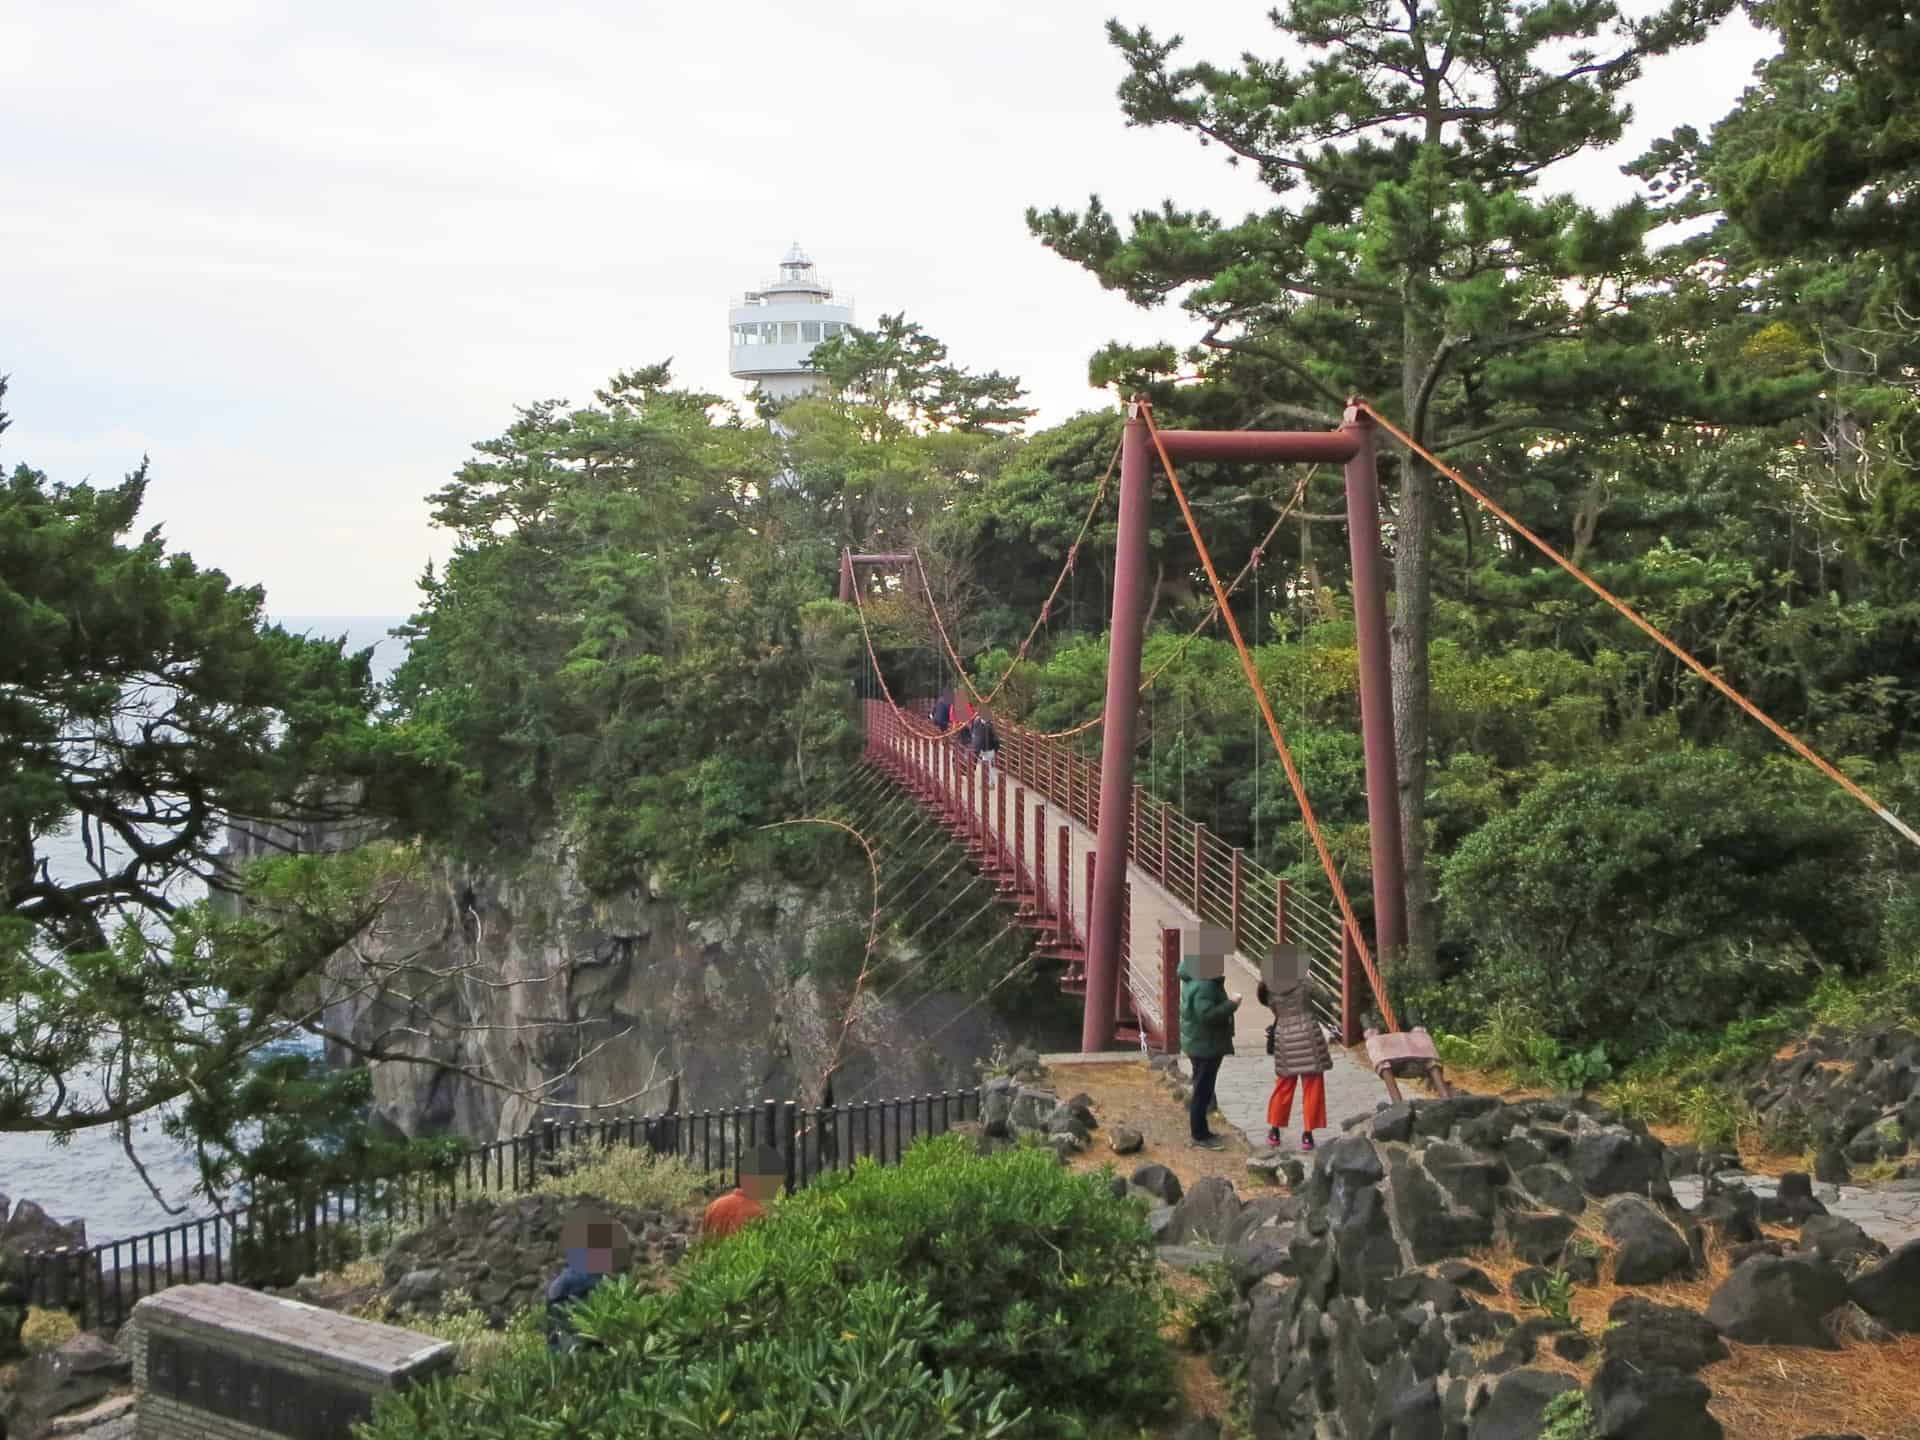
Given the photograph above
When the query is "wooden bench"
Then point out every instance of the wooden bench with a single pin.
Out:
(1409, 1052)
(231, 1363)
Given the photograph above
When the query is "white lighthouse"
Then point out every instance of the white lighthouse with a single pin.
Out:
(775, 328)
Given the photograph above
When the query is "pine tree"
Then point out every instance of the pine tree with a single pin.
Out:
(1410, 255)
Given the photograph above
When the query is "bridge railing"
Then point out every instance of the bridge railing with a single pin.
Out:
(261, 1243)
(1216, 881)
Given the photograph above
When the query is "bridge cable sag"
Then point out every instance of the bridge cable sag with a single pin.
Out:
(1780, 732)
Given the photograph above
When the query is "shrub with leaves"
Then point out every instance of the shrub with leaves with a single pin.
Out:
(950, 1295)
(1627, 901)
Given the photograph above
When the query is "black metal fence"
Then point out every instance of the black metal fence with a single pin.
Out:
(272, 1241)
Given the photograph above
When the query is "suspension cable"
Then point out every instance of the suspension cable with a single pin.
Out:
(1780, 732)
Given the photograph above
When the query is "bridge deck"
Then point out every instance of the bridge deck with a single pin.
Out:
(1042, 854)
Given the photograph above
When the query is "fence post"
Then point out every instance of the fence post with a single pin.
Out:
(1170, 990)
(1239, 860)
(1349, 991)
(1162, 875)
(1280, 911)
(793, 1133)
(1066, 883)
(1020, 833)
(1199, 869)
(1040, 859)
(553, 1138)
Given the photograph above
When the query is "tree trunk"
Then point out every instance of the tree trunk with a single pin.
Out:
(1412, 686)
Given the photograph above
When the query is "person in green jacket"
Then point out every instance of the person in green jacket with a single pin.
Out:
(1206, 1030)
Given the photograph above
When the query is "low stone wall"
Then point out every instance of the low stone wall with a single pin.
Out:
(222, 1361)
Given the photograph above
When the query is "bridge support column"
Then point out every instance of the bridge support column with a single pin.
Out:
(1120, 726)
(1376, 697)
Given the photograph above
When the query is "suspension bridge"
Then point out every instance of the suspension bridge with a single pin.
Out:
(1106, 875)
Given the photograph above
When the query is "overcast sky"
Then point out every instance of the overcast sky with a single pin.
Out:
(304, 255)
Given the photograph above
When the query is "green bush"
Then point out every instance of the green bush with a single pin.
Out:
(1622, 903)
(950, 1295)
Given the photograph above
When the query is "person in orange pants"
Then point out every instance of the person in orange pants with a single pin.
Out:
(1298, 1045)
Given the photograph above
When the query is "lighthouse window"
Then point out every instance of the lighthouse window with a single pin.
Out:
(789, 333)
(809, 330)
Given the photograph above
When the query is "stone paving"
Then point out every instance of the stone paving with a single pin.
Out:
(1889, 1212)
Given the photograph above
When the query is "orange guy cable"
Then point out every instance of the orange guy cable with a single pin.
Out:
(1780, 732)
(1273, 726)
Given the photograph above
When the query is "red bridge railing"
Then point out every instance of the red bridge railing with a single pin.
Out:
(1037, 833)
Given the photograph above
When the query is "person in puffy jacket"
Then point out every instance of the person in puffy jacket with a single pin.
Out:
(1300, 1056)
(1206, 1035)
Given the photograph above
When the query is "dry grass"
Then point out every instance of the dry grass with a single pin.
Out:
(1127, 1092)
(1765, 1391)
(1762, 1392)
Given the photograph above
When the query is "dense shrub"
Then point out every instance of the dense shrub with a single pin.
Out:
(950, 1295)
(1621, 902)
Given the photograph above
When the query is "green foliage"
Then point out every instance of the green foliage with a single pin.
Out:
(143, 701)
(630, 1177)
(947, 1295)
(1554, 1296)
(1567, 1416)
(1612, 899)
(478, 1345)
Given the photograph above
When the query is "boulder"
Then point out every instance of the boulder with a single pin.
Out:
(1513, 1411)
(1615, 1161)
(1032, 1108)
(82, 1371)
(1660, 1337)
(1792, 1202)
(1538, 1236)
(1064, 1121)
(1882, 1138)
(1158, 1181)
(1125, 1140)
(1467, 1277)
(1732, 1213)
(1367, 1253)
(1264, 1212)
(1629, 1403)
(31, 1228)
(1834, 1238)
(1082, 1107)
(1251, 1260)
(1890, 1291)
(1553, 1187)
(1205, 1211)
(1159, 1222)
(1432, 1229)
(1830, 1166)
(1472, 1182)
(1647, 1249)
(996, 1106)
(1779, 1300)
(1393, 1122)
(417, 1289)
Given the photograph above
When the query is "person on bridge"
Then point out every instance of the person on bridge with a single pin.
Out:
(942, 712)
(1299, 1045)
(762, 1173)
(983, 739)
(1206, 1022)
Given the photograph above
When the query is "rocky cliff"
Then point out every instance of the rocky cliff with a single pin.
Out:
(526, 980)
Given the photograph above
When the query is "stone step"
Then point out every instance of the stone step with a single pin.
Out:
(79, 1421)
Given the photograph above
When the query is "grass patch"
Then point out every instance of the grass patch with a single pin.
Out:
(463, 1324)
(631, 1178)
(46, 1330)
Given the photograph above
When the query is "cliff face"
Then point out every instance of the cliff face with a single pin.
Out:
(524, 979)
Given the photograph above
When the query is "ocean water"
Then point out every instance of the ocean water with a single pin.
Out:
(90, 1178)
